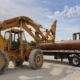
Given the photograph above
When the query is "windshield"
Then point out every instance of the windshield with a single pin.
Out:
(15, 37)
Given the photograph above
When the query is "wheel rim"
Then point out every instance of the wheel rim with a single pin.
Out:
(38, 59)
(75, 61)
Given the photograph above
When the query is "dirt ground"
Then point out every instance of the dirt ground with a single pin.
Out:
(51, 70)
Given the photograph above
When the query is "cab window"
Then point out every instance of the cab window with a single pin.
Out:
(23, 37)
(7, 35)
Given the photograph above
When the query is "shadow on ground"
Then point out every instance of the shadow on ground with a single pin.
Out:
(57, 62)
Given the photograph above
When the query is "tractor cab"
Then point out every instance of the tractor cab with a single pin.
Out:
(14, 39)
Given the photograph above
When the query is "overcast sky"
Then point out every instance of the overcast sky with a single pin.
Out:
(44, 12)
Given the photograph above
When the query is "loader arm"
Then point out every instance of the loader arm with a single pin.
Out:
(50, 34)
(16, 22)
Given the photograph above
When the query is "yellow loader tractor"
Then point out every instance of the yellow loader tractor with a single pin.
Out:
(14, 47)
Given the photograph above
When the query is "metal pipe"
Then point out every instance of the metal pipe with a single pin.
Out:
(21, 46)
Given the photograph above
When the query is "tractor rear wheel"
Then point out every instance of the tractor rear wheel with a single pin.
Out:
(4, 61)
(17, 63)
(36, 59)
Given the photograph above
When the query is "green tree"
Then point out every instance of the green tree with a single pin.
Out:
(32, 43)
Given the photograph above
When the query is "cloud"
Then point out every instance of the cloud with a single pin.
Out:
(59, 14)
(67, 12)
(74, 11)
(31, 8)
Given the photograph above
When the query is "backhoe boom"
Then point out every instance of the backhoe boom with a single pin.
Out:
(38, 36)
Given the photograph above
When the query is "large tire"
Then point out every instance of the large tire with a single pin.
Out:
(75, 60)
(17, 63)
(4, 61)
(36, 59)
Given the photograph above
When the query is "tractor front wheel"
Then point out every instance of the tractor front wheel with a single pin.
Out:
(36, 59)
(4, 61)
